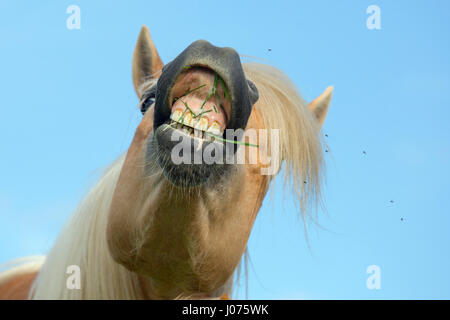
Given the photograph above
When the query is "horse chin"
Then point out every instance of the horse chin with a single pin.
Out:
(182, 158)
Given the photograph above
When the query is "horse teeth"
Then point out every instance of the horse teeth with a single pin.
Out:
(214, 129)
(200, 144)
(199, 133)
(187, 121)
(195, 127)
(176, 115)
(202, 124)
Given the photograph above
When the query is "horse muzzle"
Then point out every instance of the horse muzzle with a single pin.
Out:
(199, 96)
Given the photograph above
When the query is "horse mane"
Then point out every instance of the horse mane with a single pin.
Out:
(282, 107)
(82, 241)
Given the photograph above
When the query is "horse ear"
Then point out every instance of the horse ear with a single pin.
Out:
(146, 60)
(319, 106)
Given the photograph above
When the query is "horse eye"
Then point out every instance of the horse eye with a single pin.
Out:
(148, 99)
(146, 104)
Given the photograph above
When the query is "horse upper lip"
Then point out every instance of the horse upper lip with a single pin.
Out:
(224, 62)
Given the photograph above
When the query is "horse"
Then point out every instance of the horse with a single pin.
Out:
(157, 228)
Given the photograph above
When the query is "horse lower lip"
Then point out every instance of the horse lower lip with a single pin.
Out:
(185, 174)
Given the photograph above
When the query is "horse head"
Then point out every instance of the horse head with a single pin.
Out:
(184, 226)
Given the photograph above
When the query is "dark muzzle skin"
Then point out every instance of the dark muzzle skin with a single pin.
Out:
(226, 63)
(243, 95)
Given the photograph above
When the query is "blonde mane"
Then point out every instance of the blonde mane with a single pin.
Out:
(283, 108)
(82, 241)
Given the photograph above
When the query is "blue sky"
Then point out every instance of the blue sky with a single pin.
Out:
(69, 109)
